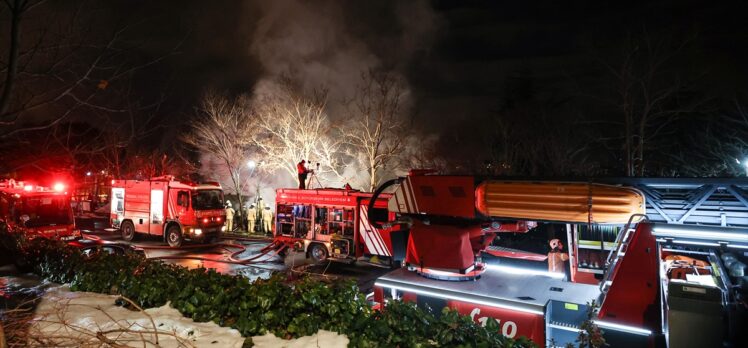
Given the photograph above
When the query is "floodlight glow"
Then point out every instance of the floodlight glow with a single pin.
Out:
(525, 271)
(251, 164)
(701, 234)
(59, 187)
(28, 188)
(458, 298)
(625, 328)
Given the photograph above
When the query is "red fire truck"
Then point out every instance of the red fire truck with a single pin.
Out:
(334, 223)
(668, 270)
(37, 210)
(162, 206)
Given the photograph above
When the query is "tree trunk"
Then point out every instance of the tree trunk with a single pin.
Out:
(372, 178)
(640, 149)
(15, 42)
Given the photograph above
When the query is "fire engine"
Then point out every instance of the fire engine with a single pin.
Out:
(663, 260)
(37, 210)
(328, 223)
(163, 206)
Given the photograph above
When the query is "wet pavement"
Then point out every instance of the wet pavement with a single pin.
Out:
(242, 255)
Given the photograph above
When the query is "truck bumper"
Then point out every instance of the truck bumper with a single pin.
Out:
(203, 233)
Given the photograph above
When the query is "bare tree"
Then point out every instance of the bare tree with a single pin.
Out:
(294, 125)
(224, 128)
(716, 144)
(419, 153)
(57, 67)
(375, 133)
(649, 94)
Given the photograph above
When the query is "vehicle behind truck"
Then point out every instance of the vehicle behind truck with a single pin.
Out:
(162, 206)
(37, 211)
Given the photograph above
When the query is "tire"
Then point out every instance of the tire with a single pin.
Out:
(318, 252)
(128, 231)
(174, 236)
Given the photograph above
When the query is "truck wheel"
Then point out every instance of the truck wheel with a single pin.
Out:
(128, 231)
(174, 236)
(318, 252)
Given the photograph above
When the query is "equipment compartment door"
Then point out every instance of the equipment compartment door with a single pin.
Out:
(157, 212)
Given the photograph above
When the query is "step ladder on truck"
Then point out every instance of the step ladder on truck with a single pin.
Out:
(452, 219)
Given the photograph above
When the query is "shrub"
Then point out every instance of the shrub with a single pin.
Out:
(285, 308)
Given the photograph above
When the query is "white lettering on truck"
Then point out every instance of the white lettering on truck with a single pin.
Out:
(508, 329)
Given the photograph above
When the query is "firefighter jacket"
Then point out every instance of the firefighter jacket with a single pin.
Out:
(267, 215)
(252, 213)
(301, 168)
(229, 213)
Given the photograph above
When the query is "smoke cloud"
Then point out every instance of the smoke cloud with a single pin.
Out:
(332, 43)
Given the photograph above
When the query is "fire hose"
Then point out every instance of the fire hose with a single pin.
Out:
(271, 250)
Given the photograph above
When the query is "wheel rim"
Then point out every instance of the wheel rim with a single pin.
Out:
(173, 237)
(318, 253)
(127, 231)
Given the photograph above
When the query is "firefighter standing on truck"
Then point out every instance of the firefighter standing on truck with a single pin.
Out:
(267, 220)
(229, 217)
(251, 218)
(557, 257)
(303, 171)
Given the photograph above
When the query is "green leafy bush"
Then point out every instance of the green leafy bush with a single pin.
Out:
(285, 308)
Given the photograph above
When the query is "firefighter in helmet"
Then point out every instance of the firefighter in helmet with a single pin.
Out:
(557, 257)
(251, 218)
(229, 217)
(267, 220)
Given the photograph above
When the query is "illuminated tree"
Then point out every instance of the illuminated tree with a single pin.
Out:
(375, 133)
(224, 129)
(294, 125)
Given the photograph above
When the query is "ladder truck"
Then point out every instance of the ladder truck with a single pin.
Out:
(662, 259)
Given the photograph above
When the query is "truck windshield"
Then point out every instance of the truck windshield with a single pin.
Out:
(207, 199)
(45, 210)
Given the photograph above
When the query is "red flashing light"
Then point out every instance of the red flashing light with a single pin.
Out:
(59, 187)
(205, 220)
(28, 187)
(218, 219)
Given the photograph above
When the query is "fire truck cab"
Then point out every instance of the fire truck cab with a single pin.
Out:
(162, 206)
(334, 224)
(37, 210)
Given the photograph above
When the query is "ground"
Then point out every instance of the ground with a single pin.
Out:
(218, 257)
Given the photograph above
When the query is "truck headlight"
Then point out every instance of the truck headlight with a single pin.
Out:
(198, 231)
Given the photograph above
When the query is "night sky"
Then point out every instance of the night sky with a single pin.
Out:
(464, 61)
(459, 62)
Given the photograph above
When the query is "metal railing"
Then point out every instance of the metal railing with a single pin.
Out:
(621, 244)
